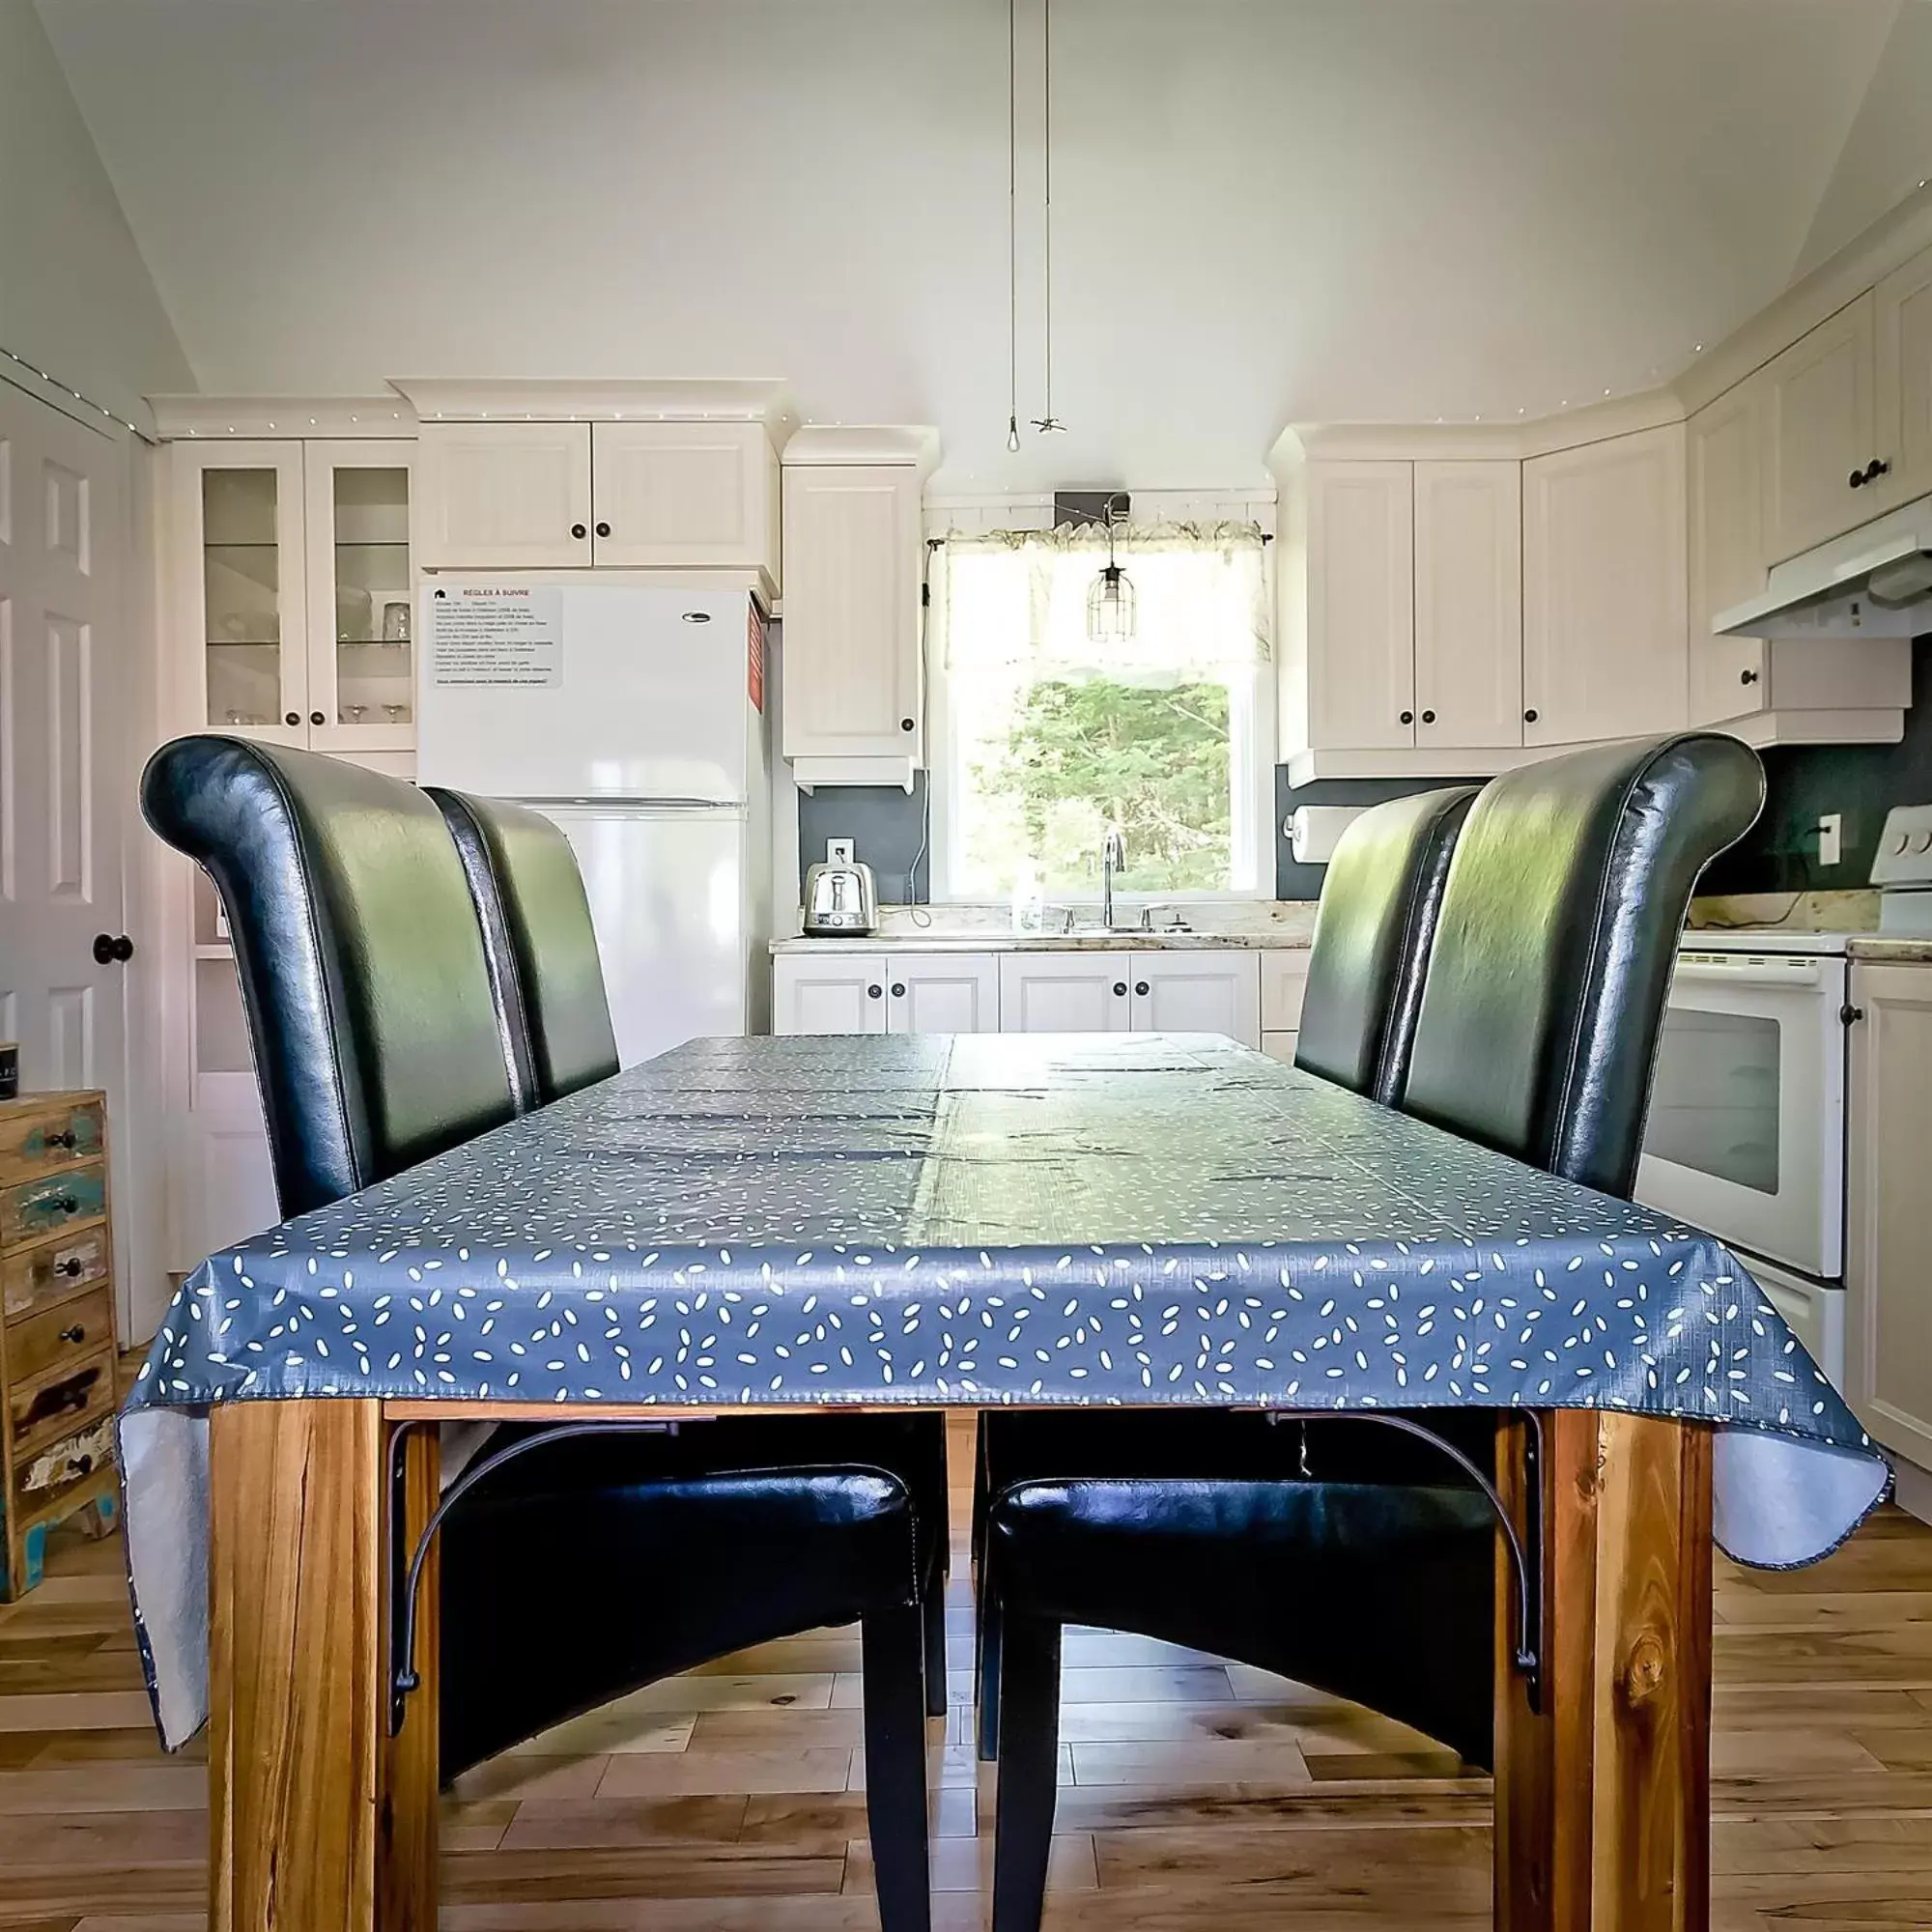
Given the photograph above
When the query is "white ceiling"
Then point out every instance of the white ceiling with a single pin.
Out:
(1265, 210)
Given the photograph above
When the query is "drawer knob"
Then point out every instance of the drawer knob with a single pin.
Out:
(80, 1466)
(71, 1267)
(66, 1140)
(77, 1333)
(66, 1204)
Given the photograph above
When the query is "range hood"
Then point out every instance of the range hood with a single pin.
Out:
(1874, 583)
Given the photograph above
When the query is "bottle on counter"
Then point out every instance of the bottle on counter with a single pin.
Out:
(1028, 903)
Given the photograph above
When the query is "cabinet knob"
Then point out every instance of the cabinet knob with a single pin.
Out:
(1851, 1015)
(876, 992)
(316, 718)
(1406, 718)
(1529, 717)
(577, 530)
(1878, 467)
(603, 529)
(77, 1334)
(1748, 677)
(294, 718)
(898, 989)
(1141, 987)
(1857, 479)
(1429, 717)
(67, 1139)
(1119, 989)
(71, 1267)
(905, 723)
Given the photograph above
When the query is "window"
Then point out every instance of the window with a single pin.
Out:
(1044, 739)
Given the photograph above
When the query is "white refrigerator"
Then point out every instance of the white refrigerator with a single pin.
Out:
(632, 713)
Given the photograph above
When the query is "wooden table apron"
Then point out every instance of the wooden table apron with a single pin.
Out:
(322, 1822)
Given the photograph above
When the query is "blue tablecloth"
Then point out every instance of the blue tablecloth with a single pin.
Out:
(979, 1220)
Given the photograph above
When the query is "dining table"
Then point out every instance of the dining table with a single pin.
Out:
(970, 1221)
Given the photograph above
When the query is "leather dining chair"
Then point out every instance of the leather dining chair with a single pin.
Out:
(1535, 1034)
(588, 1568)
(548, 982)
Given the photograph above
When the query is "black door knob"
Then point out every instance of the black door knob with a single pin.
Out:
(110, 948)
(1748, 677)
(1408, 718)
(1857, 479)
(316, 718)
(905, 723)
(1429, 717)
(1529, 717)
(294, 718)
(876, 992)
(1878, 467)
(576, 531)
(603, 529)
(1119, 989)
(1141, 987)
(898, 989)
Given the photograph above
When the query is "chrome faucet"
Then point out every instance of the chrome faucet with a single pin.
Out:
(1113, 859)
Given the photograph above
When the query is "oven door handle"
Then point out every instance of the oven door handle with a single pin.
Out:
(1748, 973)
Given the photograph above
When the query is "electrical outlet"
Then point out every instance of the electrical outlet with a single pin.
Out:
(838, 851)
(1830, 837)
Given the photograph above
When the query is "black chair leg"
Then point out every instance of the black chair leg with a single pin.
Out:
(933, 1612)
(1029, 1673)
(895, 1698)
(986, 1668)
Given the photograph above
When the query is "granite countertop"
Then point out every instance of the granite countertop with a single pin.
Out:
(1886, 949)
(1126, 939)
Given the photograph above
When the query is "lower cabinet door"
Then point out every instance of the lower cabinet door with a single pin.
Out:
(835, 992)
(1065, 992)
(942, 992)
(1211, 991)
(1281, 1044)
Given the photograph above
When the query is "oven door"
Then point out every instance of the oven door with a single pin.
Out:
(1747, 1128)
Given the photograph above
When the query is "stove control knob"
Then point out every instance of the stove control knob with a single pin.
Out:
(1901, 843)
(1922, 842)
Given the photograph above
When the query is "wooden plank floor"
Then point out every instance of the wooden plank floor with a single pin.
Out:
(1194, 1791)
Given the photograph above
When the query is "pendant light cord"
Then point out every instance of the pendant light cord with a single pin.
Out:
(1046, 137)
(1012, 226)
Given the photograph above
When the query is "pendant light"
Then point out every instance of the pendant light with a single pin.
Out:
(1109, 603)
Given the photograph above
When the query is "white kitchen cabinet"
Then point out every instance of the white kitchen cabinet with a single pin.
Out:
(829, 992)
(1888, 1225)
(1604, 623)
(1902, 390)
(1281, 1044)
(1468, 604)
(1283, 975)
(853, 702)
(1350, 570)
(685, 496)
(1065, 992)
(292, 592)
(499, 496)
(1216, 990)
(1821, 425)
(892, 990)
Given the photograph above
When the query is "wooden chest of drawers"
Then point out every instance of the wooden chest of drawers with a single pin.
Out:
(57, 1354)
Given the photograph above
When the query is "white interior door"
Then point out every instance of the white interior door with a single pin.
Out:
(64, 685)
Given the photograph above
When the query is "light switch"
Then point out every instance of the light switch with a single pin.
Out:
(1831, 830)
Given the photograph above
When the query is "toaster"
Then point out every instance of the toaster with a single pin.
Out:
(841, 899)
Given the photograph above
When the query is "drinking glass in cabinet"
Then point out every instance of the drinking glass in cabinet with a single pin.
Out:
(240, 596)
(373, 663)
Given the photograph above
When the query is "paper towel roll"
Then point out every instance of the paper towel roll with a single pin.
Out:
(1313, 831)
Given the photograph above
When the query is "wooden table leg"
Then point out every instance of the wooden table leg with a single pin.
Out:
(1604, 1796)
(321, 1822)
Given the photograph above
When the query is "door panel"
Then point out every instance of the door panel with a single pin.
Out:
(1468, 604)
(1199, 992)
(1065, 992)
(1362, 608)
(1725, 461)
(1903, 318)
(683, 494)
(503, 496)
(837, 993)
(61, 742)
(1821, 428)
(942, 992)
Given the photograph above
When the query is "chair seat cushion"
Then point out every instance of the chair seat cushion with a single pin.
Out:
(1379, 1592)
(587, 1569)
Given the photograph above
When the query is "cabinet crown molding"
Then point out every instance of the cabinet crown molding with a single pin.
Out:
(830, 443)
(1472, 443)
(203, 418)
(697, 399)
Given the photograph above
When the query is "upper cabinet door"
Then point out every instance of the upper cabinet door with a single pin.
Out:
(503, 496)
(852, 664)
(242, 602)
(1361, 610)
(1603, 590)
(1468, 604)
(1903, 327)
(685, 495)
(1725, 461)
(1821, 429)
(361, 597)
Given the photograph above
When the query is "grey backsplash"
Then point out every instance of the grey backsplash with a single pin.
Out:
(889, 829)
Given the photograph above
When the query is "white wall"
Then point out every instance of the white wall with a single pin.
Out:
(76, 296)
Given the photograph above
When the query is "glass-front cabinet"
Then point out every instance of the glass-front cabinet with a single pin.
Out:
(296, 600)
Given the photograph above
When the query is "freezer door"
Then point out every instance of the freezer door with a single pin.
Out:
(666, 892)
(583, 690)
